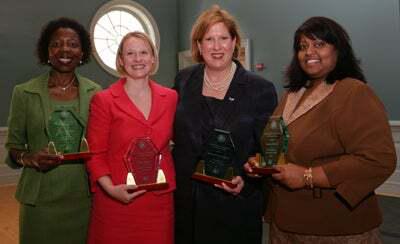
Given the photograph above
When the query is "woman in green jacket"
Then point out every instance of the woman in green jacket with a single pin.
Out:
(52, 107)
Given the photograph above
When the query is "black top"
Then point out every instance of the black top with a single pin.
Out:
(205, 214)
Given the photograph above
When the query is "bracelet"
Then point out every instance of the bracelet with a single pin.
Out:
(308, 180)
(20, 160)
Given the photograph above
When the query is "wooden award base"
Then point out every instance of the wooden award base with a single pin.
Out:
(264, 170)
(84, 152)
(76, 156)
(267, 170)
(212, 180)
(151, 187)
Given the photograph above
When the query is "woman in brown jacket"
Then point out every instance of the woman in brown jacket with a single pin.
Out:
(340, 148)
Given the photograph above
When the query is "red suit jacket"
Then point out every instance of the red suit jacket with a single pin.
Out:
(115, 121)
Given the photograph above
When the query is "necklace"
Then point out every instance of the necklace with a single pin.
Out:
(64, 88)
(223, 84)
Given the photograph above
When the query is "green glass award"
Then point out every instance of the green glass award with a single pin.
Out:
(66, 136)
(274, 143)
(217, 163)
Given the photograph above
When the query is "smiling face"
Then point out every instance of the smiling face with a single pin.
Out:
(217, 47)
(136, 58)
(65, 50)
(317, 58)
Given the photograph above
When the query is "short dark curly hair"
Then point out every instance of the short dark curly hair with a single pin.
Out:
(47, 31)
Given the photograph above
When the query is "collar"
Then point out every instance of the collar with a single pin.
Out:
(293, 110)
(117, 89)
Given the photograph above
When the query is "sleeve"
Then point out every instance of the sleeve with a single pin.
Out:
(178, 81)
(369, 156)
(174, 101)
(99, 127)
(265, 103)
(182, 77)
(265, 106)
(16, 137)
(176, 86)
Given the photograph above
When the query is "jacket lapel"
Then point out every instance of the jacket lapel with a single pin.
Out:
(123, 103)
(195, 102)
(39, 87)
(194, 105)
(293, 110)
(84, 98)
(158, 105)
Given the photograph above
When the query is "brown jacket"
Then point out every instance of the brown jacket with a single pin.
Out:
(349, 135)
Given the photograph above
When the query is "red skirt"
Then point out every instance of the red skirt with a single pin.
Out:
(148, 219)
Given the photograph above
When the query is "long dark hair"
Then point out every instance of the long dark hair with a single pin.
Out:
(325, 29)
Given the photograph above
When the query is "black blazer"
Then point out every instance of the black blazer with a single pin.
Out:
(249, 102)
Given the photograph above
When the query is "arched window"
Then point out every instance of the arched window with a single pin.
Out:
(111, 22)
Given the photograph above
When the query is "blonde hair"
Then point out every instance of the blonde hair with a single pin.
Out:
(143, 36)
(208, 18)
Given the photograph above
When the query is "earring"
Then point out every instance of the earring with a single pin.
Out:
(48, 61)
(80, 62)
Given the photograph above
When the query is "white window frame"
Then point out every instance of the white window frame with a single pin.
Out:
(136, 10)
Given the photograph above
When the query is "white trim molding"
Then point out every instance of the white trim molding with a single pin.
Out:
(394, 123)
(392, 185)
(3, 136)
(7, 175)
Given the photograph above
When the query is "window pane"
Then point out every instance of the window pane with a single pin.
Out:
(112, 21)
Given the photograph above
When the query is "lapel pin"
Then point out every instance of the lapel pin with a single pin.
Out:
(231, 99)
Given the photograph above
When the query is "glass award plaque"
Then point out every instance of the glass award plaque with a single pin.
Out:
(216, 167)
(143, 161)
(274, 144)
(66, 135)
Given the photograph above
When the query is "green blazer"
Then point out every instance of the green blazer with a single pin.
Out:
(28, 128)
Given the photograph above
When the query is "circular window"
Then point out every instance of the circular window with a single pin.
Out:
(111, 22)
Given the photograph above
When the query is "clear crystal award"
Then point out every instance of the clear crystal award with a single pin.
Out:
(143, 161)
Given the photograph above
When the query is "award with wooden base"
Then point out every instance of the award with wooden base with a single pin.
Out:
(217, 164)
(274, 143)
(143, 161)
(66, 139)
(83, 153)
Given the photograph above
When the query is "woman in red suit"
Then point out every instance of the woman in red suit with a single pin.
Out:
(133, 107)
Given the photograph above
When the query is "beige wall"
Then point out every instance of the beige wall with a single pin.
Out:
(3, 134)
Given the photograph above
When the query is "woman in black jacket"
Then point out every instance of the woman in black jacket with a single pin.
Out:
(218, 93)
